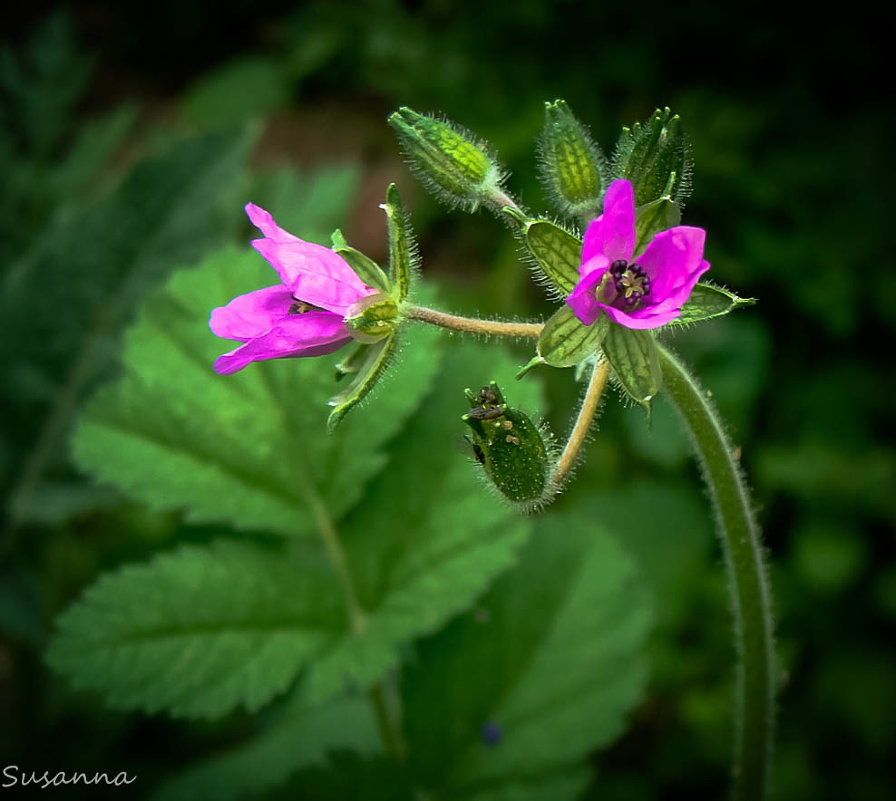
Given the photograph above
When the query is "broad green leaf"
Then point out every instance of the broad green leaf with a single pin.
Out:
(249, 449)
(196, 632)
(707, 301)
(633, 357)
(551, 659)
(402, 245)
(659, 215)
(566, 341)
(299, 737)
(65, 302)
(557, 254)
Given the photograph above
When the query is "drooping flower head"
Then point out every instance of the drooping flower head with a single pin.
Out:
(303, 315)
(643, 293)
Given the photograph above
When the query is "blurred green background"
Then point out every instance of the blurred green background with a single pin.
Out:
(791, 133)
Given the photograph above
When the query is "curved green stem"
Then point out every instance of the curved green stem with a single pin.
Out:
(472, 325)
(750, 592)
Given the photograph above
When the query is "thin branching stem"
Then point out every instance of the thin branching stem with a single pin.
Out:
(750, 592)
(584, 419)
(472, 325)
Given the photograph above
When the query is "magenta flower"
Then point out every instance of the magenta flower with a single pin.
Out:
(303, 315)
(646, 293)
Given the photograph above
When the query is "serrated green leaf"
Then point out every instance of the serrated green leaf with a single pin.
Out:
(249, 449)
(565, 341)
(196, 632)
(300, 736)
(64, 304)
(572, 608)
(402, 246)
(557, 254)
(707, 301)
(659, 215)
(632, 355)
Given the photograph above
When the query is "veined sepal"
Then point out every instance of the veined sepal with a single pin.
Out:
(650, 153)
(565, 341)
(456, 166)
(509, 446)
(367, 363)
(652, 218)
(572, 167)
(634, 360)
(555, 252)
(363, 266)
(402, 244)
(707, 301)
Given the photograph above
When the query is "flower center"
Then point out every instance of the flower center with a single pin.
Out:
(624, 285)
(300, 307)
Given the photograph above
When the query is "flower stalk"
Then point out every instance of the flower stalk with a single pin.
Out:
(587, 411)
(471, 325)
(750, 593)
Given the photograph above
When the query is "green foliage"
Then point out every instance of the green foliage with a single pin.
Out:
(550, 656)
(650, 219)
(299, 735)
(251, 450)
(566, 342)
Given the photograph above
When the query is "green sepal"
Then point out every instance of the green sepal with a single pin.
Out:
(565, 340)
(402, 245)
(633, 356)
(556, 252)
(372, 318)
(572, 167)
(652, 218)
(508, 445)
(364, 267)
(372, 361)
(351, 363)
(707, 301)
(649, 154)
(456, 166)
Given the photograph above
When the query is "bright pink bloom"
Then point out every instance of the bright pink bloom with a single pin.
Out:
(646, 293)
(301, 316)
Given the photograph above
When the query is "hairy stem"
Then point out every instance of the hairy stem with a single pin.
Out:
(750, 593)
(585, 417)
(357, 618)
(471, 325)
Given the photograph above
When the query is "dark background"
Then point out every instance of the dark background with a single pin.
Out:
(792, 125)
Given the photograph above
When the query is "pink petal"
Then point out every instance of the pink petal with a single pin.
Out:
(309, 334)
(252, 314)
(672, 258)
(641, 318)
(613, 233)
(583, 301)
(312, 273)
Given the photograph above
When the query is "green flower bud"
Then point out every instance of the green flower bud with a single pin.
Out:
(372, 318)
(656, 157)
(509, 446)
(454, 165)
(572, 166)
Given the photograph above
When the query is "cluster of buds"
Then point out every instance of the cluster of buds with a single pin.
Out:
(621, 265)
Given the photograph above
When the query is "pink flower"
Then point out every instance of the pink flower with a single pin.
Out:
(646, 293)
(303, 315)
